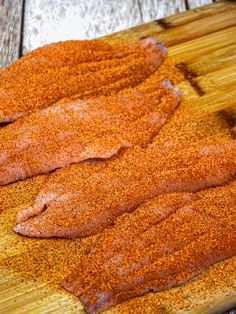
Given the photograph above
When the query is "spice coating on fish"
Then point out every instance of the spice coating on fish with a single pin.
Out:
(75, 205)
(120, 67)
(73, 131)
(180, 242)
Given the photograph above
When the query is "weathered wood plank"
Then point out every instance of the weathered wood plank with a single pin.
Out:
(48, 21)
(54, 20)
(10, 30)
(157, 26)
(197, 3)
(153, 10)
(157, 9)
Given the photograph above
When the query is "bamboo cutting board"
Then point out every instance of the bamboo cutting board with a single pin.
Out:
(203, 44)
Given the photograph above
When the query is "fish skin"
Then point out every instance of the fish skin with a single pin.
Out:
(34, 89)
(155, 259)
(73, 131)
(92, 203)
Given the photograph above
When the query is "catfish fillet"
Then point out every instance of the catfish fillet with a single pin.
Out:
(172, 239)
(72, 131)
(82, 200)
(25, 89)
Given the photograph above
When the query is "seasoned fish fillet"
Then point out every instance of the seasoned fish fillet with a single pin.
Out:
(70, 53)
(143, 218)
(171, 239)
(79, 201)
(60, 54)
(131, 226)
(23, 92)
(72, 131)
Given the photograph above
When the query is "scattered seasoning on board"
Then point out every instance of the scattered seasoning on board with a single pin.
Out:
(128, 261)
(50, 261)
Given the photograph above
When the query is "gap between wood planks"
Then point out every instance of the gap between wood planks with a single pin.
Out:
(11, 30)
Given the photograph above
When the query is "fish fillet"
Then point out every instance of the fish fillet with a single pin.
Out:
(68, 54)
(37, 90)
(72, 131)
(60, 54)
(73, 204)
(171, 239)
(131, 226)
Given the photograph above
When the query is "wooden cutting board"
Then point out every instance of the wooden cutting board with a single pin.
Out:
(203, 44)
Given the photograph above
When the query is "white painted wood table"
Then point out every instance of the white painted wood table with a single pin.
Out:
(28, 24)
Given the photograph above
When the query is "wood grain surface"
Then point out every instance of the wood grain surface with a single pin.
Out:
(28, 24)
(208, 56)
(11, 13)
(53, 20)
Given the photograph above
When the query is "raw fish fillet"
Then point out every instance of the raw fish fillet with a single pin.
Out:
(60, 54)
(169, 240)
(72, 131)
(70, 53)
(82, 200)
(25, 89)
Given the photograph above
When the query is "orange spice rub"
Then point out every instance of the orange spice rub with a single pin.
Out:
(34, 89)
(68, 54)
(93, 201)
(37, 262)
(133, 225)
(189, 233)
(57, 55)
(72, 131)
